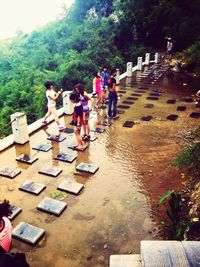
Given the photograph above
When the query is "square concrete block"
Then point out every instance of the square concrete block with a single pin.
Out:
(56, 138)
(140, 91)
(188, 100)
(98, 130)
(43, 147)
(120, 111)
(68, 130)
(52, 206)
(128, 124)
(128, 102)
(87, 167)
(134, 94)
(9, 172)
(152, 98)
(74, 147)
(195, 115)
(171, 101)
(104, 123)
(32, 187)
(54, 172)
(181, 108)
(155, 94)
(197, 105)
(172, 117)
(121, 91)
(123, 106)
(149, 106)
(15, 211)
(25, 158)
(144, 87)
(65, 157)
(146, 118)
(28, 233)
(70, 187)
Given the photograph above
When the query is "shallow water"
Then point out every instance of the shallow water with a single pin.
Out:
(116, 209)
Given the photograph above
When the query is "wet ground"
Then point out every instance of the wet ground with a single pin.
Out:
(116, 209)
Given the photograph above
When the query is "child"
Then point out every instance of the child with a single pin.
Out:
(52, 96)
(77, 119)
(104, 75)
(85, 99)
(97, 88)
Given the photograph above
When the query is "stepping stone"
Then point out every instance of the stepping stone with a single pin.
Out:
(9, 172)
(74, 147)
(188, 99)
(149, 106)
(144, 87)
(70, 187)
(65, 157)
(121, 91)
(44, 148)
(28, 233)
(15, 211)
(87, 167)
(152, 98)
(172, 117)
(195, 115)
(54, 172)
(146, 118)
(56, 138)
(140, 91)
(123, 106)
(133, 95)
(155, 94)
(120, 111)
(181, 108)
(128, 124)
(97, 130)
(68, 130)
(104, 123)
(128, 102)
(197, 105)
(52, 206)
(25, 158)
(171, 101)
(32, 187)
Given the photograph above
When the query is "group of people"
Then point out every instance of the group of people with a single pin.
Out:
(84, 103)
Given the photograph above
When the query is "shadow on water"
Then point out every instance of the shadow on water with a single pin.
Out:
(116, 209)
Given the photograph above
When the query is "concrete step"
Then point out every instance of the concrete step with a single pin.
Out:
(125, 261)
(163, 254)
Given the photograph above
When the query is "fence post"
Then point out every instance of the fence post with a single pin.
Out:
(157, 58)
(139, 63)
(19, 128)
(147, 58)
(68, 107)
(117, 76)
(129, 69)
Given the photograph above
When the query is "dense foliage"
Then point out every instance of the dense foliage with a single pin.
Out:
(91, 34)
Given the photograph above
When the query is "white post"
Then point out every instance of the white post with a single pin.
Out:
(147, 58)
(157, 58)
(68, 107)
(117, 76)
(129, 69)
(19, 128)
(139, 63)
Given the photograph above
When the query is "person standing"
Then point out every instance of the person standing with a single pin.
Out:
(77, 119)
(104, 75)
(169, 48)
(112, 95)
(97, 88)
(5, 226)
(52, 96)
(87, 104)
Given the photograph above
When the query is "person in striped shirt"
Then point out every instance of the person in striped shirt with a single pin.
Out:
(5, 226)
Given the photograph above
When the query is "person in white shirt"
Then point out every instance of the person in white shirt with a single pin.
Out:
(52, 96)
(169, 47)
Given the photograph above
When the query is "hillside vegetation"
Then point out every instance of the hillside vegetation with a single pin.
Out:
(91, 34)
